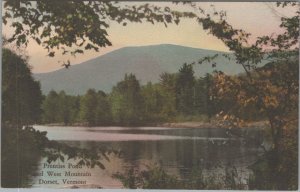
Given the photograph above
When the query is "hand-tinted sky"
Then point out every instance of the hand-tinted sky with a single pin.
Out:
(258, 18)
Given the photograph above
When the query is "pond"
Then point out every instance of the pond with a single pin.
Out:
(178, 151)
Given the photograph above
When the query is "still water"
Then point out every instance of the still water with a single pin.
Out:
(178, 151)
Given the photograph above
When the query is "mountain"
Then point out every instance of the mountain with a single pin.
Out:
(146, 62)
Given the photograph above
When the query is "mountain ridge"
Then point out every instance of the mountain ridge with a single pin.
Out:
(146, 62)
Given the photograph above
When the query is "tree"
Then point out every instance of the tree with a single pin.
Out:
(60, 108)
(267, 90)
(73, 107)
(204, 103)
(83, 24)
(185, 90)
(153, 102)
(257, 88)
(127, 101)
(88, 106)
(21, 100)
(50, 107)
(168, 90)
(282, 48)
(103, 110)
(21, 107)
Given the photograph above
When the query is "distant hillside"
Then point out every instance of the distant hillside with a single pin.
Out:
(146, 62)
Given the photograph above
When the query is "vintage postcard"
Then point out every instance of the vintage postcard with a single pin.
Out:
(150, 95)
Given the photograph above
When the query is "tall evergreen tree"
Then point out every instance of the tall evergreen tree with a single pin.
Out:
(185, 90)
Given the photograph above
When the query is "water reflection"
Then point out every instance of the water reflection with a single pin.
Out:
(178, 151)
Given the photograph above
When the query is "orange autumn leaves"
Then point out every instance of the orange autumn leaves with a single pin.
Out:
(270, 89)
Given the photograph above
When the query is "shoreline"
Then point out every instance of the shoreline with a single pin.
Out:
(187, 124)
(199, 125)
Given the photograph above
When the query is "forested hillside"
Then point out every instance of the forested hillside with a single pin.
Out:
(176, 97)
(146, 62)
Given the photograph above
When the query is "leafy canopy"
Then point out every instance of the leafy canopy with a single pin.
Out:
(75, 26)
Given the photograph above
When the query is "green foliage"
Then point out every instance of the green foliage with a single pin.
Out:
(153, 103)
(168, 88)
(205, 100)
(103, 110)
(178, 97)
(60, 108)
(154, 177)
(20, 106)
(266, 172)
(21, 149)
(61, 25)
(88, 105)
(81, 24)
(185, 90)
(271, 91)
(127, 101)
(21, 145)
(50, 107)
